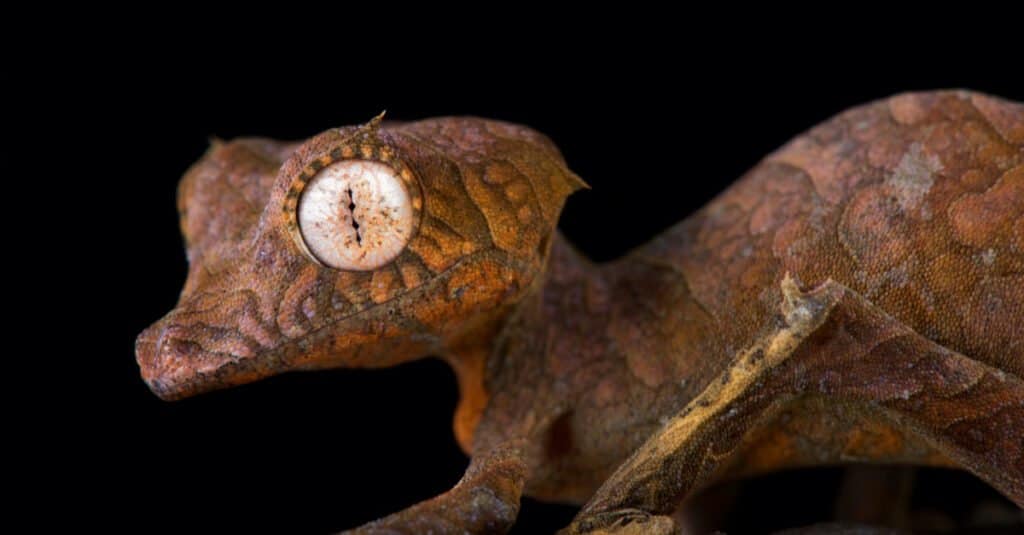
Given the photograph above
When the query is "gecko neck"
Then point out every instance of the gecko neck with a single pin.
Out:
(574, 304)
(469, 358)
(635, 314)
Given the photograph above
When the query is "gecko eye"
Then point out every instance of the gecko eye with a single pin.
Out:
(356, 215)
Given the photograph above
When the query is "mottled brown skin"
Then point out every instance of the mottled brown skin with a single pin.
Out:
(856, 297)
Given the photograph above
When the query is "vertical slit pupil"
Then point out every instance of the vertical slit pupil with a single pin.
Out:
(352, 210)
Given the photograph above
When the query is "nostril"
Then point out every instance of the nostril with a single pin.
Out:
(172, 347)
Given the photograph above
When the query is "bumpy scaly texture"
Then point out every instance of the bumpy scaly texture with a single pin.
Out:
(857, 296)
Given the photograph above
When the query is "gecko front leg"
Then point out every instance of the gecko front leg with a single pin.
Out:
(485, 500)
(832, 345)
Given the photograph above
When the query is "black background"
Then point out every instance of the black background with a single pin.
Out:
(657, 128)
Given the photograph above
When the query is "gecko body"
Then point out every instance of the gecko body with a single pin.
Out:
(857, 296)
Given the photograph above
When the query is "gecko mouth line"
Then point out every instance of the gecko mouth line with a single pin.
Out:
(148, 346)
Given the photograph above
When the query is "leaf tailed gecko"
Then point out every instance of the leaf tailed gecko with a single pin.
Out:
(857, 296)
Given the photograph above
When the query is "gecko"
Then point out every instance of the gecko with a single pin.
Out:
(856, 297)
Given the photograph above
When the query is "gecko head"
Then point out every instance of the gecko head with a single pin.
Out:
(374, 245)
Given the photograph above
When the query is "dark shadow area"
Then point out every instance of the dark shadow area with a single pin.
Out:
(918, 500)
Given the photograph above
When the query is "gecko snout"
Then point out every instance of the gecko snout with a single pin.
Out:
(202, 346)
(168, 360)
(154, 352)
